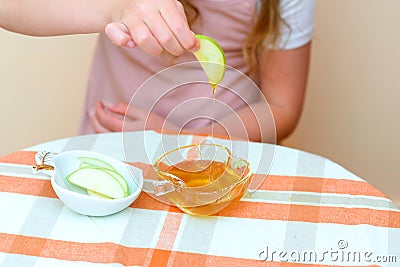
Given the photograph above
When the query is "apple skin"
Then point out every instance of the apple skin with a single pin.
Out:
(112, 184)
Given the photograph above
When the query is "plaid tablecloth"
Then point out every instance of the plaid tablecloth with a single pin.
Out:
(308, 211)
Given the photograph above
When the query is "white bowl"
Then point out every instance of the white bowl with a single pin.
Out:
(77, 199)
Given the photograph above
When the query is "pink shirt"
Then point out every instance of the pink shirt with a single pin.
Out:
(119, 74)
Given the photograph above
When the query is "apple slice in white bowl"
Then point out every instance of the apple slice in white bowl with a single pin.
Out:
(94, 184)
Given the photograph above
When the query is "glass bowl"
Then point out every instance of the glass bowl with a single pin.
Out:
(201, 179)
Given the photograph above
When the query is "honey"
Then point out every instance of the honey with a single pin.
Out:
(210, 186)
(214, 88)
(197, 173)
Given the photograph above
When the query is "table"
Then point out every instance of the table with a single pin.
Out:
(308, 211)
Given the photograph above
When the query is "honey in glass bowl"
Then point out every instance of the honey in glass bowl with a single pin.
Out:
(202, 179)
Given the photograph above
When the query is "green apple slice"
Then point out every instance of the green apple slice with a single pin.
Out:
(120, 179)
(95, 194)
(113, 173)
(88, 161)
(212, 59)
(97, 180)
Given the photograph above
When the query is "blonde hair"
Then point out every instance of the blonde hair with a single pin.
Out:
(266, 30)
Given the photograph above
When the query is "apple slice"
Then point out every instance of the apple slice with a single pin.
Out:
(95, 194)
(212, 59)
(88, 161)
(120, 179)
(113, 173)
(97, 180)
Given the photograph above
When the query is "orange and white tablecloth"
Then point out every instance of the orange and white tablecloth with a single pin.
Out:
(308, 211)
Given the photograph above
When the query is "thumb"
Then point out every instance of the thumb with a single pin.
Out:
(119, 108)
(118, 34)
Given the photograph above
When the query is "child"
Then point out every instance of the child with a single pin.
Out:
(269, 40)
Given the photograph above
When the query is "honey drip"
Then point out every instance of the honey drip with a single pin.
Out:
(214, 88)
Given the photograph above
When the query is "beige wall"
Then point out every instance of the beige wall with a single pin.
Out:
(351, 114)
(352, 111)
(42, 86)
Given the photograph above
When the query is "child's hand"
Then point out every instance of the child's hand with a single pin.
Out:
(153, 25)
(128, 118)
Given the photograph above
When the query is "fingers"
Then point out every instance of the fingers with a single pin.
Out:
(164, 35)
(181, 10)
(137, 113)
(113, 119)
(144, 38)
(132, 112)
(174, 16)
(155, 26)
(97, 127)
(122, 117)
(106, 120)
(137, 118)
(119, 34)
(119, 108)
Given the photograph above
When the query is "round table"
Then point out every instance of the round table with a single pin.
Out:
(308, 210)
